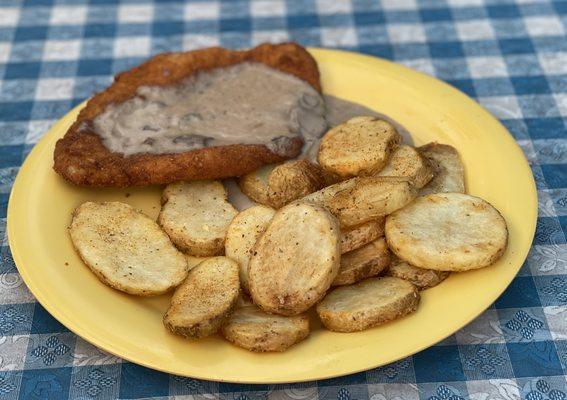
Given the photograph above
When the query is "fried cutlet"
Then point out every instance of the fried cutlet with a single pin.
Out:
(82, 158)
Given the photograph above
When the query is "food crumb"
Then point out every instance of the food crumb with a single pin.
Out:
(67, 263)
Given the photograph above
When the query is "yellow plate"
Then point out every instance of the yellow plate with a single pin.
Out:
(130, 327)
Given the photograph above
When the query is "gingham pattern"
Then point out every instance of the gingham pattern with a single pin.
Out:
(510, 56)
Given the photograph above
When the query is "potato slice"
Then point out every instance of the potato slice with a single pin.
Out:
(447, 232)
(277, 185)
(205, 300)
(324, 196)
(255, 184)
(195, 215)
(407, 161)
(126, 249)
(251, 328)
(243, 232)
(447, 167)
(360, 146)
(368, 303)
(293, 180)
(371, 198)
(295, 260)
(358, 236)
(362, 263)
(193, 261)
(421, 278)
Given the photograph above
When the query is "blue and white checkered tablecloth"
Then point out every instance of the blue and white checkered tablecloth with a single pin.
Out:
(510, 56)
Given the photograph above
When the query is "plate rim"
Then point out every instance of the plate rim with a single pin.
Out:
(69, 324)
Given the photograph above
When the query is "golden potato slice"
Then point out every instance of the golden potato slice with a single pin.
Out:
(371, 198)
(447, 232)
(295, 260)
(255, 184)
(242, 234)
(359, 235)
(368, 303)
(449, 174)
(421, 278)
(360, 146)
(324, 196)
(293, 180)
(406, 161)
(205, 300)
(195, 215)
(193, 261)
(364, 262)
(251, 328)
(126, 249)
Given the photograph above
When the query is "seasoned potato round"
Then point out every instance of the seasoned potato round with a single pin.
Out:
(292, 180)
(251, 328)
(204, 301)
(324, 196)
(359, 235)
(447, 232)
(364, 262)
(243, 232)
(407, 161)
(255, 184)
(371, 198)
(126, 249)
(449, 173)
(295, 260)
(193, 261)
(360, 146)
(366, 304)
(422, 278)
(195, 215)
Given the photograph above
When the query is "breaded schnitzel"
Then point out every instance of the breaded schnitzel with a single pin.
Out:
(83, 156)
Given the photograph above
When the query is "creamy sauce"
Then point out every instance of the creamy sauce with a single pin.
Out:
(248, 103)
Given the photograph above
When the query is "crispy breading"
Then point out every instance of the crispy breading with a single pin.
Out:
(81, 158)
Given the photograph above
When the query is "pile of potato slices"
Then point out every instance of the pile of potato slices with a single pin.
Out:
(354, 236)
